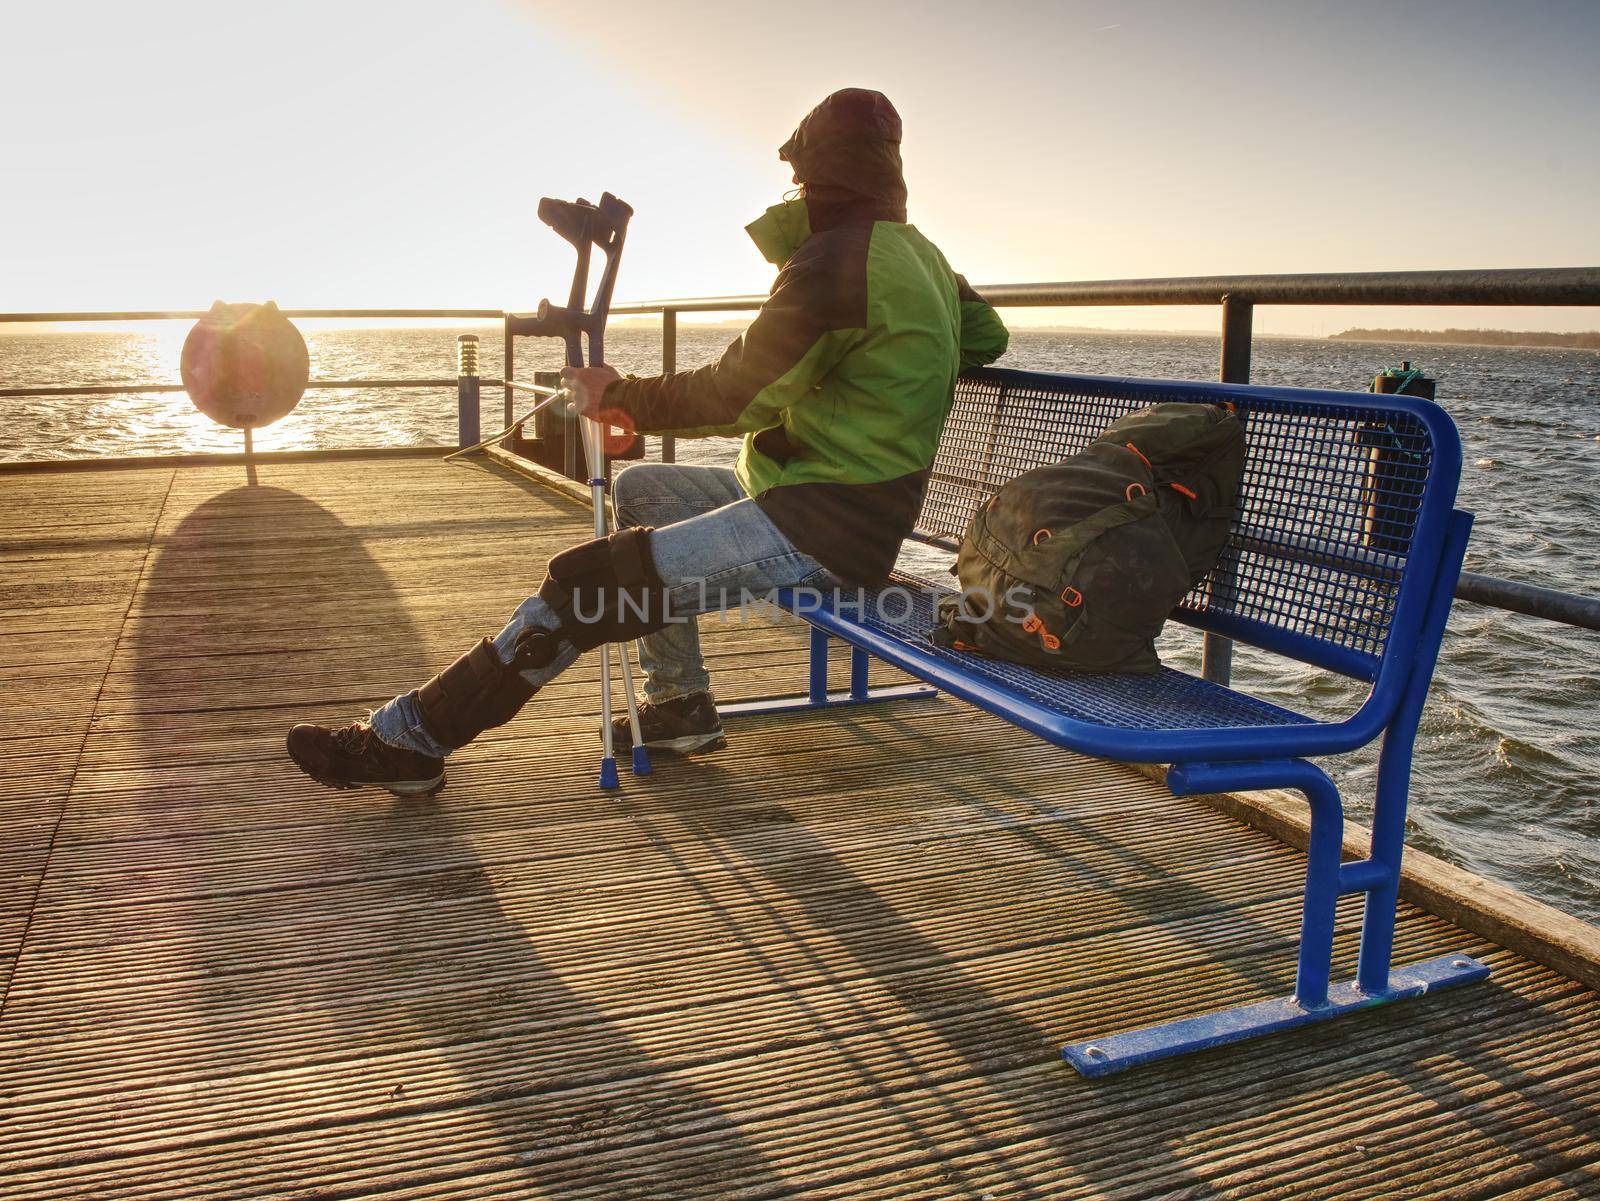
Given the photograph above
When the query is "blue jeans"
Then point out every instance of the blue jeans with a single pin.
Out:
(712, 545)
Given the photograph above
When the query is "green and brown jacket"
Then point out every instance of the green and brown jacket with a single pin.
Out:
(842, 383)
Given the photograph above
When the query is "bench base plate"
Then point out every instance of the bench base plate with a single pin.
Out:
(1116, 1052)
(834, 700)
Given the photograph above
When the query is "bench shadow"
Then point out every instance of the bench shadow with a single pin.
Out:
(1012, 1054)
(1086, 1122)
(353, 982)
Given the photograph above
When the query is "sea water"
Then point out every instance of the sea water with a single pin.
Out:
(1507, 778)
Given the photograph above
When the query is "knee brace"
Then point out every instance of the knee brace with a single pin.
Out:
(606, 590)
(475, 693)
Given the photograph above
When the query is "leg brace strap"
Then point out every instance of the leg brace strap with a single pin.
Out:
(475, 693)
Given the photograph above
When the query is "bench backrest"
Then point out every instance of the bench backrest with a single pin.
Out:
(1342, 512)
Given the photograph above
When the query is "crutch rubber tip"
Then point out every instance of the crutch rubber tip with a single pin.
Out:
(641, 761)
(608, 773)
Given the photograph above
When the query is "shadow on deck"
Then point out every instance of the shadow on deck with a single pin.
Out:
(836, 960)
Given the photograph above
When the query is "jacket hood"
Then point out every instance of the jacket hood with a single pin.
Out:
(846, 153)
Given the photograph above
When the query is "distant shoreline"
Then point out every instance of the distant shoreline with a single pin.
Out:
(1490, 338)
(1476, 337)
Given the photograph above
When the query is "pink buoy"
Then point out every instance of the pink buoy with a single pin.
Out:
(245, 365)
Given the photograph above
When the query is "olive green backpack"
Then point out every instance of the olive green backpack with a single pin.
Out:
(1077, 564)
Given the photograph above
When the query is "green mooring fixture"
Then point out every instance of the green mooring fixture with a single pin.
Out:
(1393, 481)
(1404, 380)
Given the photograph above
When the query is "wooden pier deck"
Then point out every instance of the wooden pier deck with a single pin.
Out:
(834, 961)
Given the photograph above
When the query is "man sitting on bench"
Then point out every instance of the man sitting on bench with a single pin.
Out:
(840, 387)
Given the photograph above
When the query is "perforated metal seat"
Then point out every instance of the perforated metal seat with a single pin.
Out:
(1167, 701)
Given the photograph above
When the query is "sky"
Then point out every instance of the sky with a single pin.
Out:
(352, 153)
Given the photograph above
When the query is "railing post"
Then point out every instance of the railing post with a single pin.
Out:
(467, 390)
(1216, 661)
(1237, 315)
(571, 461)
(508, 369)
(669, 364)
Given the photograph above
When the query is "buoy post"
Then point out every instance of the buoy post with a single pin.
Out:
(467, 391)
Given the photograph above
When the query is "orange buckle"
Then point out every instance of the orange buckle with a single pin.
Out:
(1131, 494)
(1040, 536)
(1071, 597)
(1034, 626)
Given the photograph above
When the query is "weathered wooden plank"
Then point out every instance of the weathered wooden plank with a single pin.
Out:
(69, 562)
(834, 960)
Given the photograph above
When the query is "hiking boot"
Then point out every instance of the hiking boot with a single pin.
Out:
(355, 757)
(685, 725)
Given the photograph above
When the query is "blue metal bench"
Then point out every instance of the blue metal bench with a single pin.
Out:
(1344, 554)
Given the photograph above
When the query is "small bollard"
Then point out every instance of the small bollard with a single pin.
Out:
(1393, 486)
(467, 433)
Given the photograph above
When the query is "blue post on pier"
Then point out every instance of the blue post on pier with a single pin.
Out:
(467, 388)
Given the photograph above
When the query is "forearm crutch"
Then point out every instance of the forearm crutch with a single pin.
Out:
(588, 225)
(594, 457)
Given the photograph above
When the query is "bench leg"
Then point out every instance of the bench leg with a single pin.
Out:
(817, 695)
(1394, 771)
(1388, 843)
(1327, 879)
(1378, 876)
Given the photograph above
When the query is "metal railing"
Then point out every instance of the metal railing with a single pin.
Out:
(196, 314)
(1235, 295)
(129, 387)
